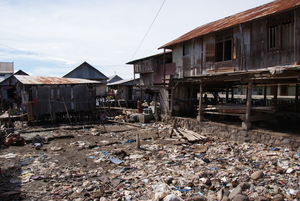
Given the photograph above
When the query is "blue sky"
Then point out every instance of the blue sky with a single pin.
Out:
(52, 37)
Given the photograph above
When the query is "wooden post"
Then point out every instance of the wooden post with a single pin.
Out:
(155, 106)
(265, 95)
(200, 102)
(50, 111)
(171, 101)
(275, 97)
(227, 91)
(164, 66)
(247, 125)
(138, 142)
(67, 111)
(297, 97)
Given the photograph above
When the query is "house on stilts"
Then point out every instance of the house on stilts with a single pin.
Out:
(245, 66)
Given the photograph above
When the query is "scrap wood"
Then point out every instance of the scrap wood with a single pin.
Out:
(185, 135)
(191, 135)
(63, 136)
(195, 134)
(177, 133)
(136, 125)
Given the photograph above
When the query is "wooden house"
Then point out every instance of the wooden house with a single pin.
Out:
(20, 72)
(155, 73)
(6, 70)
(254, 52)
(125, 93)
(51, 97)
(114, 78)
(87, 71)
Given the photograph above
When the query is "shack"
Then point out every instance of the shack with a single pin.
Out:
(125, 93)
(155, 73)
(254, 52)
(87, 71)
(51, 98)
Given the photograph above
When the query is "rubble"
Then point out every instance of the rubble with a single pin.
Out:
(113, 166)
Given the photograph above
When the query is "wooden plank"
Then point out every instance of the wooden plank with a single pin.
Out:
(259, 117)
(190, 135)
(182, 134)
(221, 113)
(198, 136)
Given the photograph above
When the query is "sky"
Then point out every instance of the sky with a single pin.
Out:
(52, 37)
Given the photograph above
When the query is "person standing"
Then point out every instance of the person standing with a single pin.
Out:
(139, 106)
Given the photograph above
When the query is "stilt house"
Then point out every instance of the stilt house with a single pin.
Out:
(245, 66)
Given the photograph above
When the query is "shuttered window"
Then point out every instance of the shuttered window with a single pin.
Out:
(281, 33)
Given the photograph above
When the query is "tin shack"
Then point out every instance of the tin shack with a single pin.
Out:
(51, 98)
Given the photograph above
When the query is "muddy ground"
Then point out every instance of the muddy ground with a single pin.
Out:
(93, 162)
(71, 146)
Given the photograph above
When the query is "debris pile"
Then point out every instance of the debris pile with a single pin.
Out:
(159, 168)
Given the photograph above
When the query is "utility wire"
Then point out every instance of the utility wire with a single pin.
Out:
(147, 31)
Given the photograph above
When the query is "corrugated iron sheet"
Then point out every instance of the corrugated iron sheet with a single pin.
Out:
(24, 79)
(242, 17)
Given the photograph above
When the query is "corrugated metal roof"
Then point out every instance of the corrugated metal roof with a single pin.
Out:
(245, 16)
(6, 67)
(124, 82)
(156, 55)
(24, 79)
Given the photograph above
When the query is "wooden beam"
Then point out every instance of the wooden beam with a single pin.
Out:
(275, 96)
(265, 95)
(297, 97)
(227, 91)
(249, 100)
(200, 102)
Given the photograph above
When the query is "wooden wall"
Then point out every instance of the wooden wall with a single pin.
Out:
(56, 98)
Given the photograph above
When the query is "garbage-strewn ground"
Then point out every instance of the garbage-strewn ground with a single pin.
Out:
(96, 163)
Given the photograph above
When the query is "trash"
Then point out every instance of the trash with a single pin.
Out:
(38, 141)
(130, 141)
(7, 156)
(55, 148)
(257, 175)
(289, 170)
(165, 169)
(116, 160)
(14, 139)
(172, 197)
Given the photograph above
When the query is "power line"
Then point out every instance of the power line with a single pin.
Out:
(147, 32)
(148, 29)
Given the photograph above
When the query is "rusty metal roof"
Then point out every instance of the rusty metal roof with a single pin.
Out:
(152, 56)
(36, 80)
(242, 17)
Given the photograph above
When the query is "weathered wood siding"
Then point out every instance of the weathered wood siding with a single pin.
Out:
(146, 66)
(249, 49)
(76, 98)
(147, 79)
(101, 90)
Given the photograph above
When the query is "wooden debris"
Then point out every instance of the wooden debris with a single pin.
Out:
(189, 135)
(121, 122)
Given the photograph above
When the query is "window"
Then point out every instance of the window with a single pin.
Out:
(281, 33)
(224, 47)
(186, 49)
